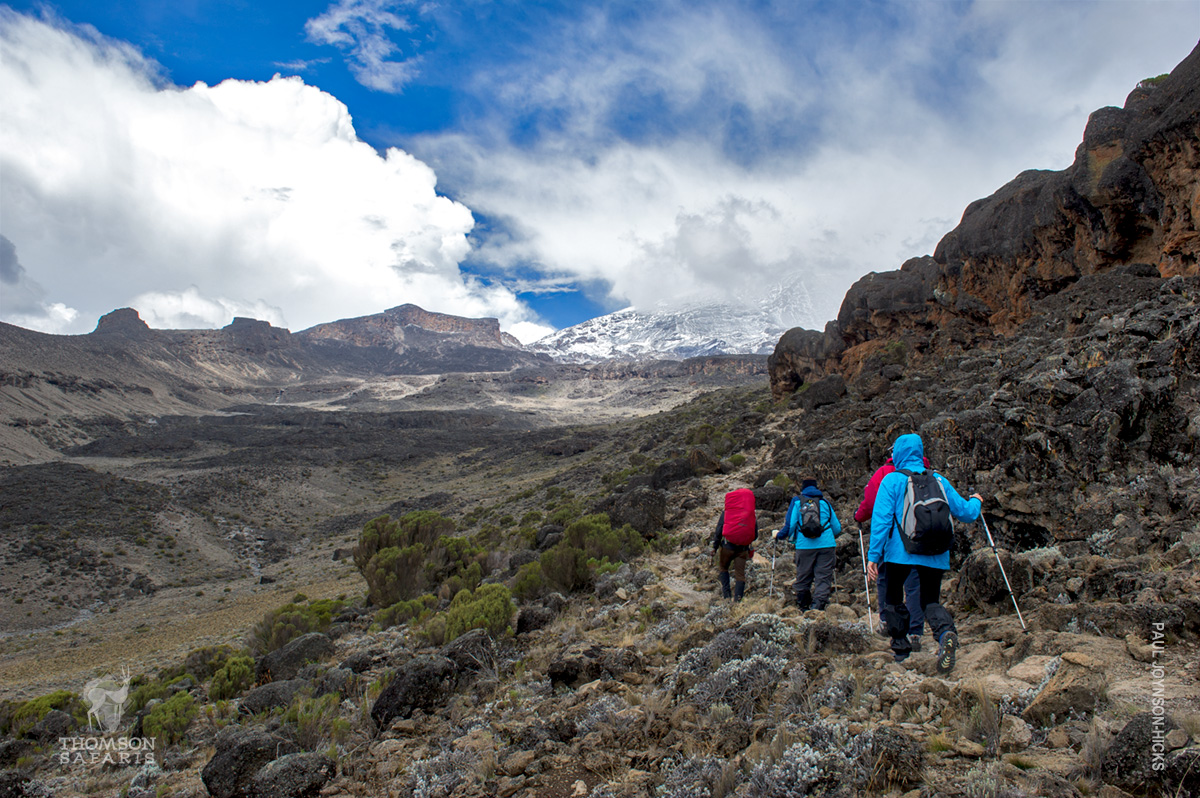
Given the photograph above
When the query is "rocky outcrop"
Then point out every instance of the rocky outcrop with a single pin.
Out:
(408, 326)
(123, 321)
(1130, 197)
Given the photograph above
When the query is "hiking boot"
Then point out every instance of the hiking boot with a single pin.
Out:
(899, 657)
(947, 646)
(915, 642)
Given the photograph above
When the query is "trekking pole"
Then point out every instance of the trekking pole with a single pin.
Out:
(774, 549)
(866, 581)
(1007, 584)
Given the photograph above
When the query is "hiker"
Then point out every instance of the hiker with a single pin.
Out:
(911, 531)
(737, 528)
(814, 526)
(912, 586)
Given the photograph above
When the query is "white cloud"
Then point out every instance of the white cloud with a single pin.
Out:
(211, 201)
(188, 309)
(361, 29)
(527, 332)
(861, 147)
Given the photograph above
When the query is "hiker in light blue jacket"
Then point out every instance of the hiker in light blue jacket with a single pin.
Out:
(814, 555)
(887, 547)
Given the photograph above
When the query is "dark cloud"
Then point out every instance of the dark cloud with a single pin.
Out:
(11, 270)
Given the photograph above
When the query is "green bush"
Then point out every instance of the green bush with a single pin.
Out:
(589, 547)
(405, 611)
(233, 677)
(594, 535)
(738, 460)
(529, 583)
(406, 558)
(490, 607)
(202, 663)
(33, 710)
(280, 626)
(168, 721)
(565, 511)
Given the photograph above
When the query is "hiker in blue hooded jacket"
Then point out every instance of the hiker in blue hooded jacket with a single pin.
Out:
(887, 547)
(814, 555)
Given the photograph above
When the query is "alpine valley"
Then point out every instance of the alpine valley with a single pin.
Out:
(404, 555)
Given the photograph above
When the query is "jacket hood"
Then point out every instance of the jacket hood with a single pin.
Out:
(812, 493)
(908, 453)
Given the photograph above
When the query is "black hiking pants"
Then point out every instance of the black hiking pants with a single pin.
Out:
(895, 612)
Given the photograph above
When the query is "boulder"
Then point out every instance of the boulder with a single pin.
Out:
(1015, 734)
(286, 662)
(424, 682)
(471, 653)
(770, 498)
(826, 391)
(644, 509)
(530, 619)
(272, 695)
(335, 680)
(1130, 761)
(54, 724)
(586, 662)
(1077, 686)
(897, 759)
(240, 753)
(678, 469)
(294, 776)
(548, 535)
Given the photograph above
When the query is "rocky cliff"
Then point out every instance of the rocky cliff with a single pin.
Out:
(408, 326)
(1132, 196)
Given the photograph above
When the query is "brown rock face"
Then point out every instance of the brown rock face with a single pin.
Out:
(401, 327)
(123, 321)
(1131, 198)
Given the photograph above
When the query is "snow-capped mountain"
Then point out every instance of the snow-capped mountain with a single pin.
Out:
(737, 326)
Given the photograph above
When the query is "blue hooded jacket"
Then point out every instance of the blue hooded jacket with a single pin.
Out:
(829, 520)
(908, 453)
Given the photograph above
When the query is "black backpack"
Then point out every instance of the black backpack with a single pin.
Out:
(810, 518)
(925, 526)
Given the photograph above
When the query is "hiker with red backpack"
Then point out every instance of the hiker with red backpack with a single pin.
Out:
(911, 529)
(912, 585)
(737, 529)
(814, 526)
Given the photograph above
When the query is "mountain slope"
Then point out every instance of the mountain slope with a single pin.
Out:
(740, 325)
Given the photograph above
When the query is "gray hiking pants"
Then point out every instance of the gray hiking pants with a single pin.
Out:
(814, 577)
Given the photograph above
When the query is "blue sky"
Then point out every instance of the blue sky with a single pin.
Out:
(541, 162)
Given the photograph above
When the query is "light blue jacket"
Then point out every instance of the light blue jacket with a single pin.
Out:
(829, 520)
(908, 452)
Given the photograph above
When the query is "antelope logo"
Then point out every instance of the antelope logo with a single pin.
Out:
(106, 698)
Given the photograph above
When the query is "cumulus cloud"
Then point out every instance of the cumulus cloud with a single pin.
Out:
(361, 29)
(685, 148)
(244, 198)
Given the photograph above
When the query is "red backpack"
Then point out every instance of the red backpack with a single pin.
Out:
(740, 528)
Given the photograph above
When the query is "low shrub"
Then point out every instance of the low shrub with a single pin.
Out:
(406, 558)
(280, 626)
(233, 677)
(529, 582)
(33, 710)
(490, 607)
(404, 611)
(317, 721)
(168, 721)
